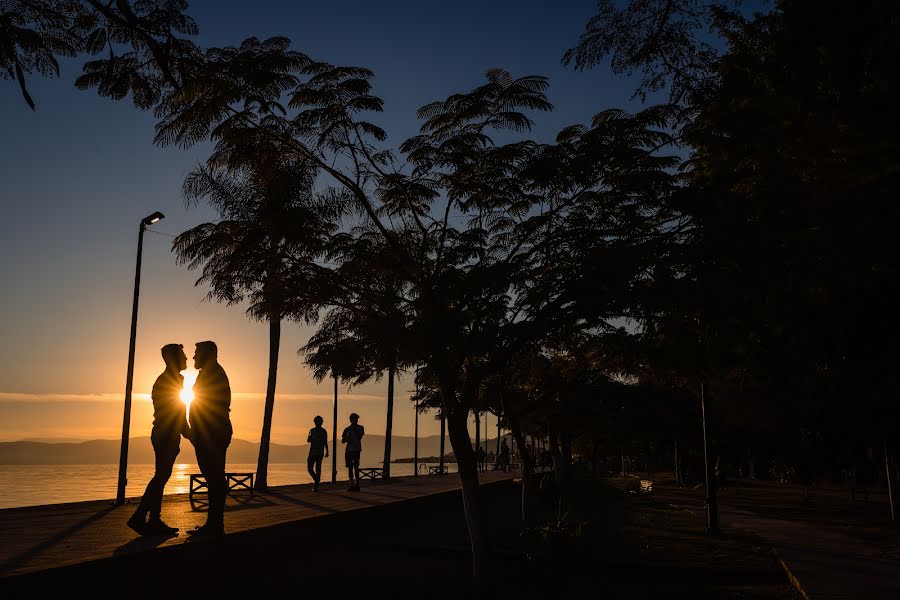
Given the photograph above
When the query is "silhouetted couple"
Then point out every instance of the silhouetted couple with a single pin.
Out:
(209, 429)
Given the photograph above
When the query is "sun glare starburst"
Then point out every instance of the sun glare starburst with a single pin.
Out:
(187, 392)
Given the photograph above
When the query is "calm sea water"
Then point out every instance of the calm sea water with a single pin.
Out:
(32, 485)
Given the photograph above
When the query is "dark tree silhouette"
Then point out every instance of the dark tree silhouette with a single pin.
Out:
(34, 34)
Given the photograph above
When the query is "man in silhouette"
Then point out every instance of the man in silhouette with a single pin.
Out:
(211, 433)
(503, 459)
(169, 424)
(318, 449)
(352, 436)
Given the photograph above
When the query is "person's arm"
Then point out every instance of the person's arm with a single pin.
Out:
(344, 436)
(309, 437)
(325, 438)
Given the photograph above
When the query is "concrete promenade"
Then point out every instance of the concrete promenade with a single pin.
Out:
(37, 538)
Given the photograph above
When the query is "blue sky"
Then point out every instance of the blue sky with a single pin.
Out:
(79, 173)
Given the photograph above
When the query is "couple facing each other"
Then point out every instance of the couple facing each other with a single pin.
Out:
(318, 449)
(209, 430)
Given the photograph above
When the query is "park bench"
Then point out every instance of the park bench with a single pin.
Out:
(646, 486)
(233, 481)
(371, 473)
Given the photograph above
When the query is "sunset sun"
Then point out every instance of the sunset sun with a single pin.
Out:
(187, 392)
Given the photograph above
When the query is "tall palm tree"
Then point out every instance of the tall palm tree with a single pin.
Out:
(368, 321)
(272, 226)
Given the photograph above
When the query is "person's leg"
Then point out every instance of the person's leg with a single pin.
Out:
(138, 520)
(310, 467)
(151, 500)
(165, 460)
(318, 470)
(217, 487)
(211, 460)
(348, 460)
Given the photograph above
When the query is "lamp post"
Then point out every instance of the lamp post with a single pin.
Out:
(126, 419)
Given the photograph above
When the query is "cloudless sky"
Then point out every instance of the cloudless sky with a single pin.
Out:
(79, 173)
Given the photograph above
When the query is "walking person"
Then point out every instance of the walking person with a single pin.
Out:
(503, 459)
(169, 424)
(211, 433)
(318, 449)
(352, 436)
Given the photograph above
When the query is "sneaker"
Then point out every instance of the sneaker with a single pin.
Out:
(207, 531)
(137, 523)
(158, 527)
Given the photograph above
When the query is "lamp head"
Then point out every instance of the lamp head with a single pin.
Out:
(157, 216)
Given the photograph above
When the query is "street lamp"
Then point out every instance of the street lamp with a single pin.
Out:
(126, 419)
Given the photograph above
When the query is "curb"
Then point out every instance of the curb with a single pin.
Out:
(790, 575)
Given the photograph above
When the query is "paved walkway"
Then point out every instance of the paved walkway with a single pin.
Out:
(43, 537)
(826, 565)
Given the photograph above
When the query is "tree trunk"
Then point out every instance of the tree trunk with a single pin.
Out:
(525, 461)
(334, 430)
(471, 492)
(477, 434)
(443, 437)
(887, 474)
(390, 424)
(262, 466)
(712, 504)
(558, 456)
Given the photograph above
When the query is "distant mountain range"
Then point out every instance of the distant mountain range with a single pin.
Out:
(241, 451)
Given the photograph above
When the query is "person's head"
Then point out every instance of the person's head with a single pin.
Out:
(205, 354)
(318, 421)
(174, 356)
(354, 418)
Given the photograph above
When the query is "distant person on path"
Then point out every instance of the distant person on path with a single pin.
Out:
(480, 455)
(211, 433)
(352, 436)
(503, 459)
(318, 449)
(169, 424)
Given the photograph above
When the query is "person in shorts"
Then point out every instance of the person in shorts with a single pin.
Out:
(318, 449)
(352, 436)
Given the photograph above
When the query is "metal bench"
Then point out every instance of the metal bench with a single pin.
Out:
(233, 482)
(371, 473)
